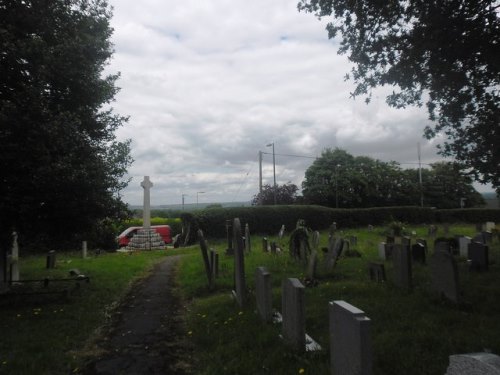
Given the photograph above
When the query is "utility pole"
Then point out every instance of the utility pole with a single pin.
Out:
(260, 172)
(274, 171)
(420, 177)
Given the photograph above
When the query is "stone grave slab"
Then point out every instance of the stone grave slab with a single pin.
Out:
(263, 293)
(474, 364)
(293, 313)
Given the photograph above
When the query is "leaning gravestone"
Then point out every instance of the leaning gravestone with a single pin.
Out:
(293, 329)
(239, 263)
(206, 261)
(474, 364)
(350, 346)
(444, 275)
(263, 293)
(402, 267)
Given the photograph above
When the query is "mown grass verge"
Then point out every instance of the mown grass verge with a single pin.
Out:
(43, 334)
(412, 332)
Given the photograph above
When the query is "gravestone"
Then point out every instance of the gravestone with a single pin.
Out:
(418, 253)
(3, 270)
(446, 229)
(229, 235)
(263, 293)
(478, 254)
(382, 251)
(293, 312)
(463, 246)
(264, 245)
(206, 260)
(214, 264)
(423, 242)
(489, 226)
(377, 272)
(487, 236)
(313, 259)
(479, 237)
(274, 247)
(14, 265)
(444, 275)
(479, 227)
(51, 259)
(239, 264)
(350, 346)
(442, 245)
(431, 231)
(335, 247)
(84, 249)
(402, 266)
(353, 240)
(390, 239)
(474, 364)
(281, 233)
(370, 228)
(406, 241)
(248, 245)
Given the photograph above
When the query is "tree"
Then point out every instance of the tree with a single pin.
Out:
(447, 186)
(285, 194)
(443, 53)
(62, 167)
(339, 179)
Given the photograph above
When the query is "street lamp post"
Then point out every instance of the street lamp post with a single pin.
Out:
(183, 195)
(274, 171)
(197, 193)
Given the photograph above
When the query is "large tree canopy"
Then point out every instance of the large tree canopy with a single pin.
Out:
(339, 179)
(62, 167)
(444, 53)
(285, 194)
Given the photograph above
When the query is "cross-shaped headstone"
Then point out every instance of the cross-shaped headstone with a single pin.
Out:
(146, 210)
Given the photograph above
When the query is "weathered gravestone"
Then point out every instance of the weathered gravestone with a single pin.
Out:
(239, 264)
(281, 233)
(206, 260)
(418, 253)
(274, 247)
(263, 293)
(474, 364)
(14, 265)
(478, 255)
(84, 249)
(51, 259)
(405, 241)
(313, 259)
(431, 231)
(292, 301)
(488, 236)
(377, 272)
(489, 226)
(350, 346)
(353, 240)
(463, 246)
(444, 275)
(390, 239)
(248, 245)
(335, 247)
(385, 250)
(402, 266)
(479, 237)
(370, 228)
(265, 245)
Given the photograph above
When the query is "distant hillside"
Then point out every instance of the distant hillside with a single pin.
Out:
(192, 206)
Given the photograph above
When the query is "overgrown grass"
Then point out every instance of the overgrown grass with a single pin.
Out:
(412, 332)
(41, 334)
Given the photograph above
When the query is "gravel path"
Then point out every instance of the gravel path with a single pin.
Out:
(146, 335)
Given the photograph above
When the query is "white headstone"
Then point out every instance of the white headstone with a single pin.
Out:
(463, 244)
(146, 210)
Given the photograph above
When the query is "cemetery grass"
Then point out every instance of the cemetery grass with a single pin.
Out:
(411, 332)
(46, 334)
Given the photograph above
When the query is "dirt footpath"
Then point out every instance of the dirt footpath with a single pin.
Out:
(146, 334)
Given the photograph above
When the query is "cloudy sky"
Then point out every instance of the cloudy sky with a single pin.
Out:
(208, 84)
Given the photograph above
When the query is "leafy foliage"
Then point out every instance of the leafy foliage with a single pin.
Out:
(61, 165)
(338, 179)
(441, 53)
(285, 194)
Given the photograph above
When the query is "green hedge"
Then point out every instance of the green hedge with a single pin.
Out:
(268, 219)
